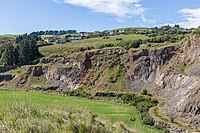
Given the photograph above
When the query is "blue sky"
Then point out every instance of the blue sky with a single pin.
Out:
(24, 16)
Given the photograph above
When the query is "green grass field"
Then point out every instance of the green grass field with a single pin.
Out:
(8, 36)
(57, 36)
(95, 42)
(106, 112)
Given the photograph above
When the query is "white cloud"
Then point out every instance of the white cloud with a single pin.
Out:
(118, 8)
(191, 17)
(138, 5)
(144, 19)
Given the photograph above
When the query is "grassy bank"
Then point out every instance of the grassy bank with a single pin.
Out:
(56, 104)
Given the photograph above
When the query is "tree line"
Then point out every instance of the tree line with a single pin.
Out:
(55, 32)
(24, 52)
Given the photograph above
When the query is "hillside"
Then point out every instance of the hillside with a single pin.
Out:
(95, 69)
(92, 42)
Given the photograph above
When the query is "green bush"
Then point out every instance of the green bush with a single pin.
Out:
(83, 91)
(144, 92)
(106, 37)
(118, 39)
(165, 130)
(132, 118)
(130, 44)
(162, 128)
(148, 120)
(154, 102)
(127, 98)
(171, 119)
(142, 104)
(164, 38)
(197, 31)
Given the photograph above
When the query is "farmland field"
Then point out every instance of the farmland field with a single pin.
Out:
(41, 112)
(95, 42)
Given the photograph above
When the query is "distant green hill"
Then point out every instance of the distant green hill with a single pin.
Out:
(8, 36)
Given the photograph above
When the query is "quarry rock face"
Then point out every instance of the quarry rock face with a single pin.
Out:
(68, 73)
(64, 77)
(157, 70)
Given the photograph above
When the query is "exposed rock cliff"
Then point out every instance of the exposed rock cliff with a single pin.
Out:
(159, 71)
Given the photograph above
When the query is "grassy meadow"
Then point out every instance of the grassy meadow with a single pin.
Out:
(22, 111)
(57, 36)
(95, 42)
(8, 36)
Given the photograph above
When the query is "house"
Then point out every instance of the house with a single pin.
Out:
(121, 31)
(112, 33)
(59, 40)
(46, 39)
(84, 34)
(97, 33)
(186, 31)
(74, 38)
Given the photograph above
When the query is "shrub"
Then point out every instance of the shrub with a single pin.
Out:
(148, 120)
(130, 44)
(197, 31)
(149, 45)
(118, 39)
(162, 128)
(144, 92)
(106, 37)
(165, 130)
(135, 43)
(142, 109)
(154, 102)
(171, 119)
(159, 127)
(132, 118)
(126, 98)
(83, 91)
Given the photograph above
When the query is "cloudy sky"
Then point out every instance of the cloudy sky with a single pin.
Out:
(21, 16)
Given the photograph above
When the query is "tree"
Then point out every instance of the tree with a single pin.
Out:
(20, 38)
(9, 56)
(176, 26)
(135, 43)
(27, 51)
(24, 53)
